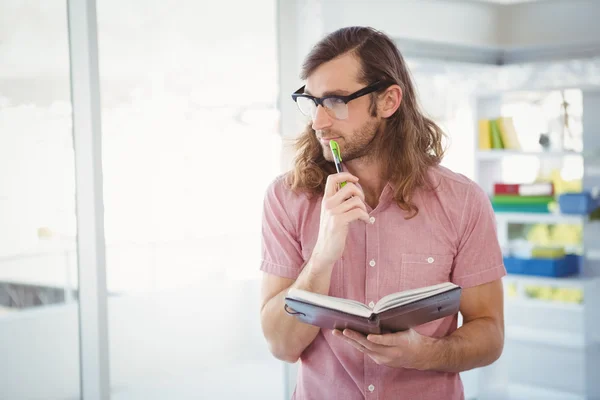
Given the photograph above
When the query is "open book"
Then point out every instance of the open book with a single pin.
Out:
(392, 313)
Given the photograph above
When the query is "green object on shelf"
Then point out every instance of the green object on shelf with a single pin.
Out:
(507, 199)
(521, 208)
(495, 135)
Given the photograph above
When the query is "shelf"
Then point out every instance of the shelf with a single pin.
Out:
(543, 305)
(591, 170)
(500, 154)
(550, 338)
(551, 346)
(539, 218)
(569, 281)
(530, 392)
(592, 255)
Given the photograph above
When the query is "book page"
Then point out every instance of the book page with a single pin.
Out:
(333, 303)
(409, 296)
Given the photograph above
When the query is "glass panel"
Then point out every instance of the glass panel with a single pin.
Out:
(39, 335)
(190, 143)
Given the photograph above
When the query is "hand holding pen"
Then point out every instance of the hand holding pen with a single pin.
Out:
(338, 209)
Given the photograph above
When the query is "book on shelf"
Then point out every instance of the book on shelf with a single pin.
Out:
(485, 138)
(496, 136)
(534, 204)
(521, 208)
(498, 133)
(524, 189)
(508, 133)
(393, 313)
(522, 200)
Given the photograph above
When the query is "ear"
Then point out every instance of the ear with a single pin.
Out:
(389, 101)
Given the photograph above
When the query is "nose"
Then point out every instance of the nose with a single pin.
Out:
(321, 119)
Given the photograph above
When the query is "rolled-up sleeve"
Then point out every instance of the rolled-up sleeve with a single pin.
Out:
(281, 250)
(479, 256)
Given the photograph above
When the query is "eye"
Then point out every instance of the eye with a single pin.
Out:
(332, 102)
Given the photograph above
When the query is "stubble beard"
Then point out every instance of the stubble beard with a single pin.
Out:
(361, 145)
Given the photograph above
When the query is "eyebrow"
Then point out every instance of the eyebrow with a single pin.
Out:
(330, 93)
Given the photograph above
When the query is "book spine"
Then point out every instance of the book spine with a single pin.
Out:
(508, 133)
(485, 141)
(522, 208)
(496, 138)
(510, 199)
(531, 189)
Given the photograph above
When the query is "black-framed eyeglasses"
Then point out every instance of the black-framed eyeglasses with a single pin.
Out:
(335, 104)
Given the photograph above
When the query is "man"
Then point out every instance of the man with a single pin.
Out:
(402, 221)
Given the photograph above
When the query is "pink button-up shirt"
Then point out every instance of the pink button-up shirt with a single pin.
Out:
(453, 238)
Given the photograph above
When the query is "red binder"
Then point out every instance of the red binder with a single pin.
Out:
(524, 189)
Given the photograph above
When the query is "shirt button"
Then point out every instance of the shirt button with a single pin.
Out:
(371, 388)
(372, 263)
(430, 260)
(371, 304)
(372, 220)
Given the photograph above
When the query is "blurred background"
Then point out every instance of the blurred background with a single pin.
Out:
(195, 115)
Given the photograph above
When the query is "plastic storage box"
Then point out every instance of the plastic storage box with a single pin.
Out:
(554, 267)
(577, 203)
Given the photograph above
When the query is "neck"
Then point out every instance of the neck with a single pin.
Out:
(371, 178)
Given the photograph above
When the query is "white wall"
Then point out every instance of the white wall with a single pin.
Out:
(480, 25)
(456, 22)
(550, 23)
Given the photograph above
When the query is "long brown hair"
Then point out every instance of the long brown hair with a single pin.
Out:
(411, 142)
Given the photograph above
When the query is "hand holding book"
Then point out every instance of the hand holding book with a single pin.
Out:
(406, 349)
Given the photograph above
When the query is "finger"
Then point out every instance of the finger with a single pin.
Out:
(347, 192)
(355, 214)
(362, 340)
(388, 339)
(336, 333)
(351, 342)
(383, 340)
(333, 180)
(350, 204)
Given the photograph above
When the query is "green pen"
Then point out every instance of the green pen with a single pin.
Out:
(337, 158)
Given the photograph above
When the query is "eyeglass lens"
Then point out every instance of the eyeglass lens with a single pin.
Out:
(336, 107)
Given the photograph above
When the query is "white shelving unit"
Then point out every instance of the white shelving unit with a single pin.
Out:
(516, 391)
(533, 218)
(552, 348)
(493, 155)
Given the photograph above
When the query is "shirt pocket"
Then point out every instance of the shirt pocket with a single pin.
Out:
(420, 270)
(336, 287)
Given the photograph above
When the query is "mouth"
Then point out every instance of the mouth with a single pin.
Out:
(327, 140)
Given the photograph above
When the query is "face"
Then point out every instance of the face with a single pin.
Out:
(354, 134)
